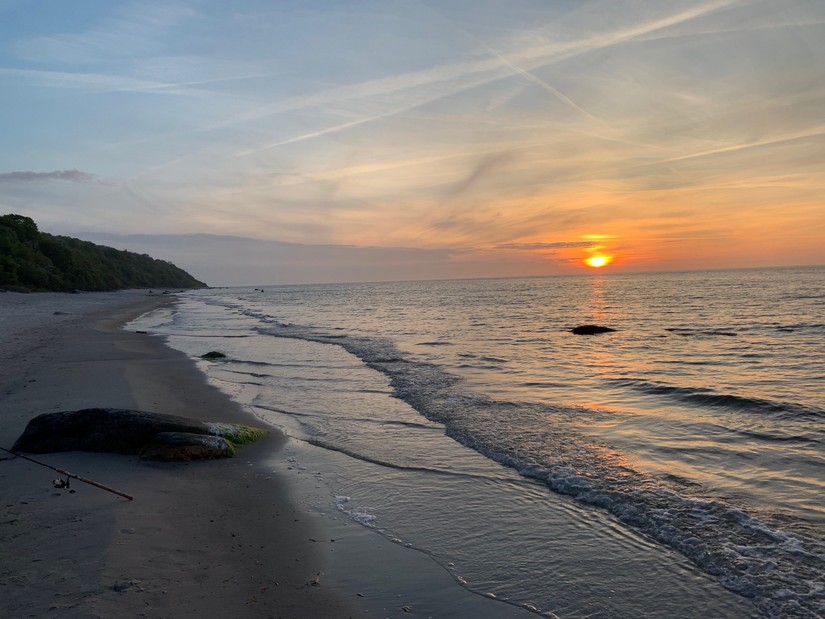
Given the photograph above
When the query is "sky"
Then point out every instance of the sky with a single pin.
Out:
(323, 140)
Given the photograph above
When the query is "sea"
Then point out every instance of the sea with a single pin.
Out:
(673, 467)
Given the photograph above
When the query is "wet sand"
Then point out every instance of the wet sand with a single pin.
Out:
(216, 538)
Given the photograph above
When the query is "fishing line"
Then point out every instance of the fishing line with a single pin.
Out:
(69, 475)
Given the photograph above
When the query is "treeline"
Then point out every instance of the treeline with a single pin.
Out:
(36, 261)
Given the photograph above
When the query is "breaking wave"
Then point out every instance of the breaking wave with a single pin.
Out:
(780, 571)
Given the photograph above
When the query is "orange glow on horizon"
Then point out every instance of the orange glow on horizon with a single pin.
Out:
(598, 260)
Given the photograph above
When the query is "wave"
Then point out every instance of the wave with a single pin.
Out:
(706, 397)
(370, 420)
(347, 451)
(780, 571)
(778, 438)
(801, 327)
(252, 374)
(184, 334)
(689, 332)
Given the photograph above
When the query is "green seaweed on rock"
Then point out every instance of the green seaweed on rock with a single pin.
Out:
(236, 435)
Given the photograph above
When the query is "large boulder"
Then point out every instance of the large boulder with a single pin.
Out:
(181, 446)
(116, 430)
(590, 330)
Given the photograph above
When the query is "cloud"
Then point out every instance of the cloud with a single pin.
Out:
(75, 176)
(106, 83)
(139, 29)
(485, 167)
(543, 246)
(447, 80)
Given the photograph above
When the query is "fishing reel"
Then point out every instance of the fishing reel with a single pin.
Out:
(62, 484)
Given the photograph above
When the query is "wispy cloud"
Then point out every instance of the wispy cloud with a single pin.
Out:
(545, 246)
(514, 130)
(102, 82)
(813, 132)
(92, 81)
(74, 176)
(135, 30)
(400, 93)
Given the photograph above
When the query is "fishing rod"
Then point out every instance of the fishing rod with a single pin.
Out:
(68, 475)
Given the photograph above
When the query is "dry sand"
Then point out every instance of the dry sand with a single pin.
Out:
(210, 539)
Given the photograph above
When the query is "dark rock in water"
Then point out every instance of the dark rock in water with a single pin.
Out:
(114, 430)
(213, 354)
(183, 446)
(590, 330)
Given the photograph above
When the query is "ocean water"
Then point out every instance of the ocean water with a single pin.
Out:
(672, 468)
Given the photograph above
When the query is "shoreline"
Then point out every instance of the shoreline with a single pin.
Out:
(215, 538)
(370, 453)
(238, 537)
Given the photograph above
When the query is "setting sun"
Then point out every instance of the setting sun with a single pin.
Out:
(598, 260)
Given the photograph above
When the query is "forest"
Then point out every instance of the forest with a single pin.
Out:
(32, 261)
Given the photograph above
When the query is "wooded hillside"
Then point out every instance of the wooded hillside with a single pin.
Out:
(34, 260)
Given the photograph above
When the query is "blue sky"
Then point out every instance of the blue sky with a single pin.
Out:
(669, 133)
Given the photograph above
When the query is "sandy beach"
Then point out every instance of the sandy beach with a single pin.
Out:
(217, 538)
(239, 537)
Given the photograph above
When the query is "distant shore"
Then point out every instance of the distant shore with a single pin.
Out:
(216, 538)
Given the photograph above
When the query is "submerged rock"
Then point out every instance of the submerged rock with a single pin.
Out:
(115, 430)
(590, 330)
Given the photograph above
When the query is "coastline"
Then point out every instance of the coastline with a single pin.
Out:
(239, 537)
(360, 454)
(218, 538)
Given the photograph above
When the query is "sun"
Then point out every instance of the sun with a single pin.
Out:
(598, 260)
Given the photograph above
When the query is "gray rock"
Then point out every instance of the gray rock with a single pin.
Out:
(112, 430)
(115, 430)
(183, 446)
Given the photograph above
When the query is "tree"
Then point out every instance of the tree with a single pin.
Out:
(34, 260)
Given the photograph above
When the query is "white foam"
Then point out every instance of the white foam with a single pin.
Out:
(356, 514)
